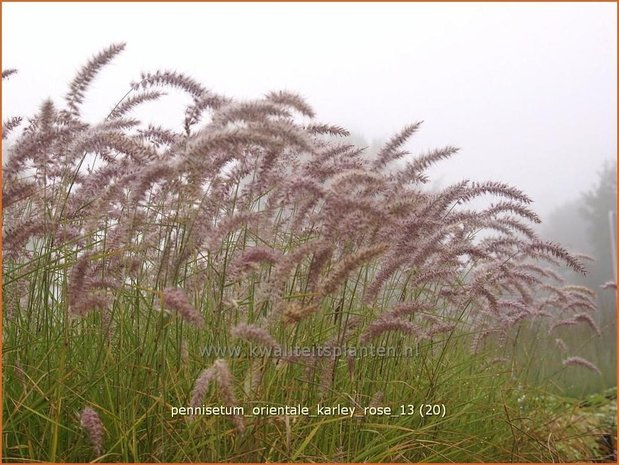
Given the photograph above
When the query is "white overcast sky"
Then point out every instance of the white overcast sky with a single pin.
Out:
(527, 91)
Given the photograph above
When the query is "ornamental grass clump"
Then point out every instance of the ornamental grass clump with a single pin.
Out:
(253, 222)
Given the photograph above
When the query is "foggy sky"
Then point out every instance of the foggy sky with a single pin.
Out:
(527, 91)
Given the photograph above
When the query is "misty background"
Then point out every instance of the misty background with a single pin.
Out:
(527, 91)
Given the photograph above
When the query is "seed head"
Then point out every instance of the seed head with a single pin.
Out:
(90, 421)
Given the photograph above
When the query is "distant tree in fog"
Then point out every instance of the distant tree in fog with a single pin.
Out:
(582, 225)
(596, 204)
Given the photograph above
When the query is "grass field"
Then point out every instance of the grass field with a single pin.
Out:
(255, 259)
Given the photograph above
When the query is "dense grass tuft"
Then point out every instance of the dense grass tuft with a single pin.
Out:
(241, 261)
